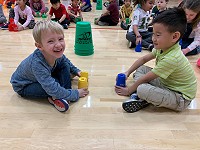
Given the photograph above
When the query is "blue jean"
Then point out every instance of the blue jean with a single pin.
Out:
(146, 38)
(35, 90)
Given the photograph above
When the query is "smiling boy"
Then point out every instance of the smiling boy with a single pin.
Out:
(46, 73)
(171, 83)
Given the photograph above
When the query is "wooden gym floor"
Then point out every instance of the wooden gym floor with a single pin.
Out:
(96, 121)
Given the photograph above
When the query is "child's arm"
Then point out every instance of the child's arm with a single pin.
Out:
(80, 14)
(106, 13)
(195, 43)
(43, 7)
(71, 14)
(16, 18)
(128, 90)
(122, 13)
(141, 61)
(62, 18)
(69, 11)
(83, 3)
(137, 33)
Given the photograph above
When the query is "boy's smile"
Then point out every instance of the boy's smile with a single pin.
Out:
(52, 46)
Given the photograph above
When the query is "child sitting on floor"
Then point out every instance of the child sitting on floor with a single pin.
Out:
(38, 7)
(86, 5)
(171, 83)
(60, 13)
(191, 40)
(138, 31)
(110, 17)
(74, 10)
(46, 73)
(125, 13)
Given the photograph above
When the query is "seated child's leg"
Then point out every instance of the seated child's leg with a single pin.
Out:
(162, 97)
(130, 36)
(186, 43)
(141, 71)
(105, 19)
(193, 52)
(86, 8)
(72, 19)
(65, 22)
(31, 24)
(33, 90)
(146, 39)
(2, 20)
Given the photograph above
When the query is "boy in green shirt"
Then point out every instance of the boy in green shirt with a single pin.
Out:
(171, 83)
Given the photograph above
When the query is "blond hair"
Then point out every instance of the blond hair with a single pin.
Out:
(43, 26)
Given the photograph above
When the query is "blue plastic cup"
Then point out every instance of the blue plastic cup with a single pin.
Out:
(121, 80)
(138, 47)
(180, 42)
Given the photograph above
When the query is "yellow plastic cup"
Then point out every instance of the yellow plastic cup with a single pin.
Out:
(82, 83)
(84, 74)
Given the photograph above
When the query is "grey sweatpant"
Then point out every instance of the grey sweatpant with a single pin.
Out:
(155, 93)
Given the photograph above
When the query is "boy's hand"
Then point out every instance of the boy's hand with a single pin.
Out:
(83, 92)
(138, 40)
(123, 91)
(79, 74)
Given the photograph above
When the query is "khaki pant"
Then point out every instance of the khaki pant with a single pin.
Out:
(155, 93)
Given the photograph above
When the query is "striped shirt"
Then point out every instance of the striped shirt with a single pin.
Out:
(125, 11)
(175, 71)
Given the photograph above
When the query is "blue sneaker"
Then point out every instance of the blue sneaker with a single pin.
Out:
(134, 96)
(60, 104)
(133, 105)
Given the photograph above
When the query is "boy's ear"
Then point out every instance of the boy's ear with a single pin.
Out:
(39, 46)
(176, 36)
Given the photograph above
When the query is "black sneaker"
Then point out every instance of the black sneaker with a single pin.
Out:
(150, 48)
(133, 105)
(65, 26)
(5, 27)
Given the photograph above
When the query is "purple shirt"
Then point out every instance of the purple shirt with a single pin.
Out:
(114, 12)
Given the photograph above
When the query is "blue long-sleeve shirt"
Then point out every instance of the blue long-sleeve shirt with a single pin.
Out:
(35, 69)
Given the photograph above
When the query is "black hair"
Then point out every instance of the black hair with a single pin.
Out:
(174, 19)
(54, 1)
(141, 2)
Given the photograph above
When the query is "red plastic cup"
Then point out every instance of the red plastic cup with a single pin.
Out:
(198, 62)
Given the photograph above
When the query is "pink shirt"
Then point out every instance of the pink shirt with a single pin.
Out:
(196, 35)
(39, 6)
(25, 14)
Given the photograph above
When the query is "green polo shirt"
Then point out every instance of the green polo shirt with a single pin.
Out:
(175, 71)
